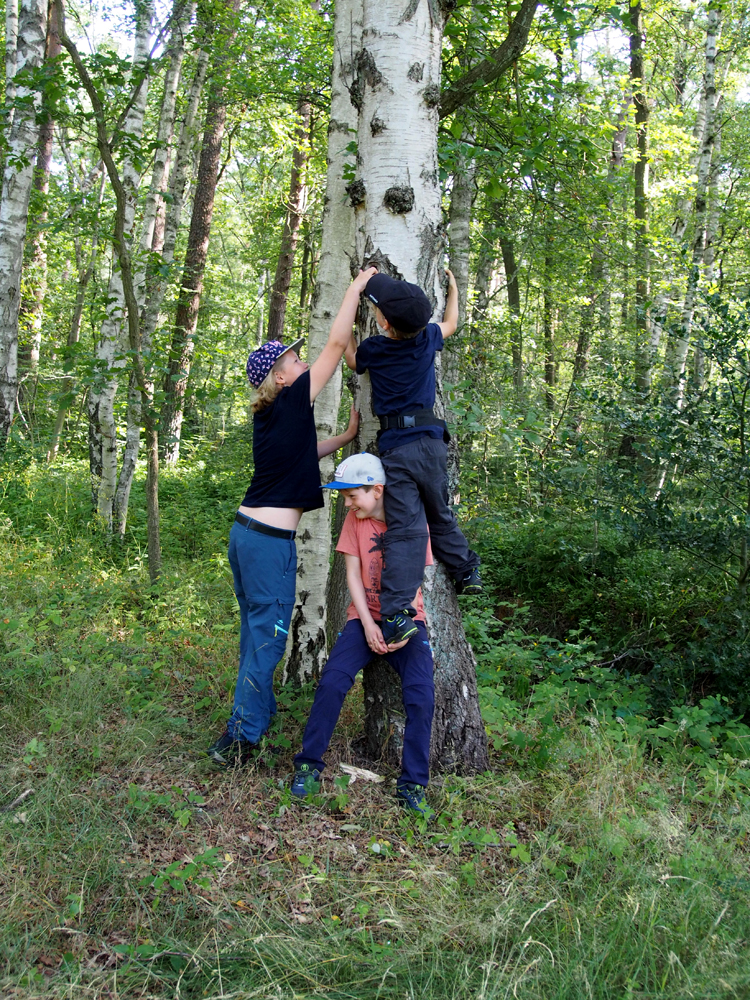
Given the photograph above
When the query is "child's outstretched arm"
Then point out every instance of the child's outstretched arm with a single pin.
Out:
(341, 332)
(450, 317)
(330, 445)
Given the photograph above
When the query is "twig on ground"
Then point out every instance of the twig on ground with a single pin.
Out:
(18, 801)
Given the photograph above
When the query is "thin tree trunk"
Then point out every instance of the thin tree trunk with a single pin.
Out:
(641, 254)
(196, 254)
(679, 346)
(310, 625)
(712, 229)
(11, 47)
(103, 444)
(123, 223)
(485, 267)
(156, 279)
(510, 266)
(462, 197)
(182, 14)
(14, 207)
(398, 191)
(35, 267)
(74, 331)
(549, 334)
(295, 210)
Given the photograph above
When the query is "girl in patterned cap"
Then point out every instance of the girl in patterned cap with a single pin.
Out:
(285, 484)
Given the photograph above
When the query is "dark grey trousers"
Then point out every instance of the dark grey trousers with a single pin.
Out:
(416, 496)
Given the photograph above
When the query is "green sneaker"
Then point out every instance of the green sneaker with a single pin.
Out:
(397, 628)
(306, 781)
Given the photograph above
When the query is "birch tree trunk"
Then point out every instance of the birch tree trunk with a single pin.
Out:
(642, 255)
(14, 206)
(676, 360)
(109, 350)
(156, 278)
(309, 627)
(74, 330)
(11, 46)
(399, 228)
(548, 326)
(35, 269)
(510, 266)
(196, 254)
(121, 243)
(295, 210)
(182, 14)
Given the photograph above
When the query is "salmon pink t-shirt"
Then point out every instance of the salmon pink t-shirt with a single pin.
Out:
(363, 538)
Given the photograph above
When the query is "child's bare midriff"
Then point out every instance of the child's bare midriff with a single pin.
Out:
(277, 517)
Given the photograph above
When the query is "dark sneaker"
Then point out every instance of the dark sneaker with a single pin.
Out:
(306, 781)
(230, 752)
(412, 798)
(471, 583)
(397, 628)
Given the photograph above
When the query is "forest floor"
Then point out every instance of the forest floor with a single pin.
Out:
(132, 868)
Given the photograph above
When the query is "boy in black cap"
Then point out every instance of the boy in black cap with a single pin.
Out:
(413, 446)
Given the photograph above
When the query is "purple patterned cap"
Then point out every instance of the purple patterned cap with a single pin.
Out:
(260, 362)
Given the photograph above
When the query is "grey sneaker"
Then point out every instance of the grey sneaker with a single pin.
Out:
(230, 752)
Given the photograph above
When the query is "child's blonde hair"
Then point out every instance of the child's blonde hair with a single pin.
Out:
(268, 389)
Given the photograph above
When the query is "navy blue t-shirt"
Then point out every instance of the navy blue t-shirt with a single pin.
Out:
(402, 373)
(285, 452)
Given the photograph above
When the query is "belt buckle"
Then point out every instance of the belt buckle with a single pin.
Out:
(409, 420)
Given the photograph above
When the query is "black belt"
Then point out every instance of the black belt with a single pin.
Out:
(264, 529)
(420, 418)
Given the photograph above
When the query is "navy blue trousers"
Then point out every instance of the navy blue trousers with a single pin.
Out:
(414, 665)
(264, 570)
(416, 496)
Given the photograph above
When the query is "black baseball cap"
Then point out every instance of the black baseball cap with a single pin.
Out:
(404, 305)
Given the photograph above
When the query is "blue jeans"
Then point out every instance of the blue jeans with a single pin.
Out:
(264, 570)
(350, 654)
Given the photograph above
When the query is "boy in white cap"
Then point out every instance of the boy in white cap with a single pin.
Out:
(361, 479)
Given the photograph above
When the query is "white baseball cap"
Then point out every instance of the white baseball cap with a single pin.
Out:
(357, 470)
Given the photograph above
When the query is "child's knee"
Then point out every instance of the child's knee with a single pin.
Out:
(334, 681)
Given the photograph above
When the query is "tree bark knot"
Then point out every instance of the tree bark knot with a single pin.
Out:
(367, 74)
(399, 199)
(431, 95)
(357, 192)
(377, 125)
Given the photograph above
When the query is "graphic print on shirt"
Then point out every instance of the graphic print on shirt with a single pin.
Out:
(377, 561)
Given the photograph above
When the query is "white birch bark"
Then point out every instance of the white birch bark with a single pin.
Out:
(678, 348)
(178, 182)
(399, 228)
(154, 203)
(309, 649)
(109, 351)
(11, 45)
(14, 207)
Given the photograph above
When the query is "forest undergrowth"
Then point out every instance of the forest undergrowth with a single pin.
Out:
(605, 854)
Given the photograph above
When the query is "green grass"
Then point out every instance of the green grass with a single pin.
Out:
(596, 859)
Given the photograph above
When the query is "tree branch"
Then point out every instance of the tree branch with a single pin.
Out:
(496, 63)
